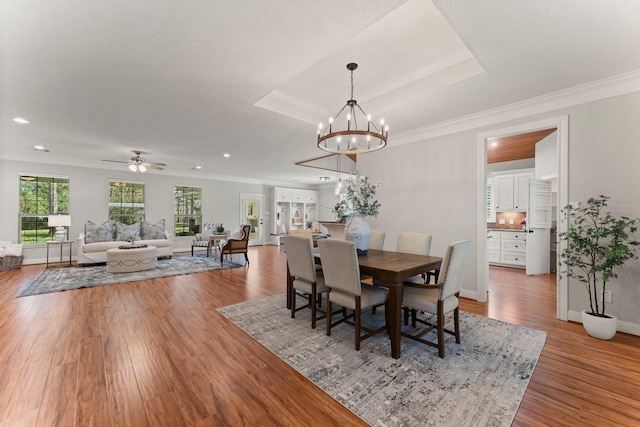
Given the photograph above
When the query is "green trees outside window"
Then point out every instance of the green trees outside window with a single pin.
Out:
(187, 210)
(41, 196)
(126, 202)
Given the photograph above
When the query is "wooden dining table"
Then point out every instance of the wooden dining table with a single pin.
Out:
(390, 270)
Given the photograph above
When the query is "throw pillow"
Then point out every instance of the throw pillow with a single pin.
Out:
(127, 232)
(150, 231)
(98, 233)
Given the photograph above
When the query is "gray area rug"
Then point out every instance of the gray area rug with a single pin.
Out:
(480, 382)
(66, 278)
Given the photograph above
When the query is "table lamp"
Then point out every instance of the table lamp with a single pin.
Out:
(60, 222)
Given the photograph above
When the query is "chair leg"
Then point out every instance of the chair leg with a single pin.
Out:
(313, 306)
(357, 322)
(293, 303)
(246, 257)
(414, 315)
(405, 311)
(456, 324)
(440, 324)
(191, 250)
(328, 313)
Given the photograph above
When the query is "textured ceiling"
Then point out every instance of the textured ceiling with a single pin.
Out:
(188, 81)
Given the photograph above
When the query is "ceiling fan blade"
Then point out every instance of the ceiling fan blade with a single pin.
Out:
(115, 161)
(158, 166)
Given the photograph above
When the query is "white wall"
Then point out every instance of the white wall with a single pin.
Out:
(431, 185)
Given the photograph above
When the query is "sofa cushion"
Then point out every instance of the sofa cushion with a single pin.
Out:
(158, 243)
(98, 233)
(127, 232)
(101, 246)
(150, 231)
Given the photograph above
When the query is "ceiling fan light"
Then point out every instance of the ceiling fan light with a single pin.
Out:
(142, 168)
(132, 167)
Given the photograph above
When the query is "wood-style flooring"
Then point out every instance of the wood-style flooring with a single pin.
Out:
(157, 353)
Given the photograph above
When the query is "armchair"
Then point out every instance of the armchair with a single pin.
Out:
(237, 246)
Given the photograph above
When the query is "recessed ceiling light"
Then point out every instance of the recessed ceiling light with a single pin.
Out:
(21, 120)
(227, 155)
(494, 144)
(198, 167)
(324, 178)
(40, 148)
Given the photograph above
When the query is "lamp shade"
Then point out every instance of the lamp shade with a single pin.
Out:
(59, 220)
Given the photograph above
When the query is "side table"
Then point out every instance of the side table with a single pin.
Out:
(62, 243)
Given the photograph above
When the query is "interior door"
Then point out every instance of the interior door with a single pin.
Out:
(252, 213)
(538, 227)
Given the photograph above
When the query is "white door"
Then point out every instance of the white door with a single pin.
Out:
(252, 213)
(538, 227)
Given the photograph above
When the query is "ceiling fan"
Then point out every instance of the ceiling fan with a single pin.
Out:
(139, 164)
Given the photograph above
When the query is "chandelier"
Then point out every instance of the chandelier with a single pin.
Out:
(334, 138)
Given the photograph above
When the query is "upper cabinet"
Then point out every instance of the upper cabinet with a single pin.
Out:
(283, 194)
(512, 190)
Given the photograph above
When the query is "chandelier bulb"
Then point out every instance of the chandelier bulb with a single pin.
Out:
(381, 122)
(369, 118)
(349, 117)
(330, 120)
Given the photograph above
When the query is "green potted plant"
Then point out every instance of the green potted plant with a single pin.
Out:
(220, 229)
(597, 243)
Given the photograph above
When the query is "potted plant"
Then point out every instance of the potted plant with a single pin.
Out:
(359, 202)
(597, 243)
(220, 229)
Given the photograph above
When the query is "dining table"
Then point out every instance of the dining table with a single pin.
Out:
(390, 270)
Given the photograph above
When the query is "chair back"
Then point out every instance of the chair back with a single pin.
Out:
(455, 261)
(414, 243)
(377, 239)
(340, 265)
(306, 233)
(300, 258)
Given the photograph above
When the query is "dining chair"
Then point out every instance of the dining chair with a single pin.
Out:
(303, 275)
(342, 280)
(418, 244)
(377, 239)
(438, 299)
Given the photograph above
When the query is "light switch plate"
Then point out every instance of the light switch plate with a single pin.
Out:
(501, 221)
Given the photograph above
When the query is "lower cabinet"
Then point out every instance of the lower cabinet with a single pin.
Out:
(507, 248)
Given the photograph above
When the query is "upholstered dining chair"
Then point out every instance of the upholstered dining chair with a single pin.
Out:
(418, 244)
(342, 281)
(377, 239)
(237, 246)
(303, 275)
(438, 299)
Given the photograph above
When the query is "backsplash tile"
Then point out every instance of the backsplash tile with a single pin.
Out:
(516, 216)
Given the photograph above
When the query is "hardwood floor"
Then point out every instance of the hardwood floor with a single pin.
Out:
(157, 352)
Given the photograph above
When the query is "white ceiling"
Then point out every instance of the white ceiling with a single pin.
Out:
(188, 81)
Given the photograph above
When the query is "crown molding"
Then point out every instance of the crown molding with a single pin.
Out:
(593, 91)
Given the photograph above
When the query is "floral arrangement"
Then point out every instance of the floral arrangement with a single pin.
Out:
(360, 197)
(523, 222)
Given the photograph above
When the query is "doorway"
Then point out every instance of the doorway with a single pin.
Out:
(252, 213)
(561, 124)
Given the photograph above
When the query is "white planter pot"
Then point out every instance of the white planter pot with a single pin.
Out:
(358, 231)
(599, 327)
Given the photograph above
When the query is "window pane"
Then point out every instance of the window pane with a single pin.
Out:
(41, 196)
(126, 202)
(187, 216)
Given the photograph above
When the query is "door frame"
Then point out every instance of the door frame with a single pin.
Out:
(561, 123)
(260, 197)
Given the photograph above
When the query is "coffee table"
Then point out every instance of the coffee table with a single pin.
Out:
(130, 260)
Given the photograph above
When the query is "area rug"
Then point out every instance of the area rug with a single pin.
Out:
(480, 382)
(66, 278)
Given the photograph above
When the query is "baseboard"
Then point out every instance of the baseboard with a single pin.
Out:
(466, 293)
(626, 327)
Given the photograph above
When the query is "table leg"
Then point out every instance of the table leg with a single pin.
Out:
(60, 263)
(48, 255)
(395, 310)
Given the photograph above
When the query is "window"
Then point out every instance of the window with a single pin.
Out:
(41, 196)
(126, 202)
(188, 216)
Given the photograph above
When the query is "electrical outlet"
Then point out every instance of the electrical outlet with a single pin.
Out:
(608, 296)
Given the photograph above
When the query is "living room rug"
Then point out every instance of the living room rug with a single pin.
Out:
(67, 278)
(480, 382)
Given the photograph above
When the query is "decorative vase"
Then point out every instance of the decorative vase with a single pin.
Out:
(358, 231)
(603, 328)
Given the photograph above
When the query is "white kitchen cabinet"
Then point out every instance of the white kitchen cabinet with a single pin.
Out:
(292, 209)
(507, 248)
(512, 190)
(513, 250)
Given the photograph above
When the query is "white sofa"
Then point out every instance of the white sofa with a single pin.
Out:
(92, 245)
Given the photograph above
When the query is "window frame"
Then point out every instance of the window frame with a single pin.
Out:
(184, 212)
(122, 216)
(56, 206)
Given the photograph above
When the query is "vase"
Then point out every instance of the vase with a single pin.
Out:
(358, 231)
(603, 328)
